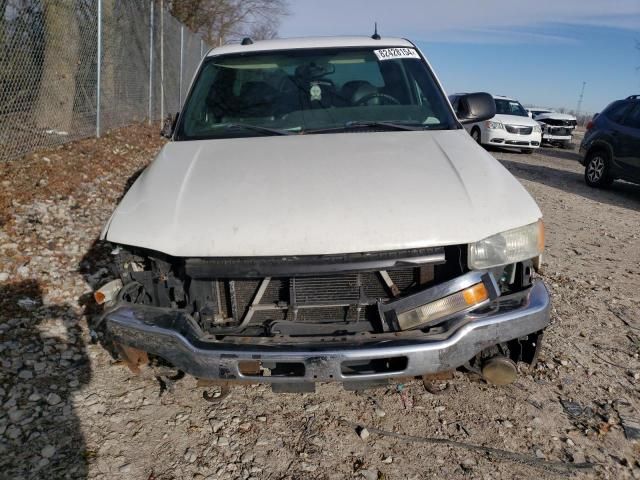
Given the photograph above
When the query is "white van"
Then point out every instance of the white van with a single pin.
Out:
(511, 127)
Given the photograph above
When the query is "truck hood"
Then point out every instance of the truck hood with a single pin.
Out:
(514, 120)
(319, 194)
(555, 116)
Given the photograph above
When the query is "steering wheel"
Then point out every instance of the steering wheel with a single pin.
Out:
(367, 98)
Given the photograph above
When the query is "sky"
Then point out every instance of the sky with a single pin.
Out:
(538, 51)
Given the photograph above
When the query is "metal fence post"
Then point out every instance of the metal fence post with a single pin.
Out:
(151, 62)
(99, 67)
(181, 64)
(161, 61)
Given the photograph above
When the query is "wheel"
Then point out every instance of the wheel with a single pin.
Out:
(475, 134)
(528, 151)
(596, 172)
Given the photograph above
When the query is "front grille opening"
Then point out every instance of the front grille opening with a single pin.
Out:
(257, 368)
(353, 368)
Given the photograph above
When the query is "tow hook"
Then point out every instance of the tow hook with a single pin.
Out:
(499, 370)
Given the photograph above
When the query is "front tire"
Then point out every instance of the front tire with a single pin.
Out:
(475, 134)
(596, 172)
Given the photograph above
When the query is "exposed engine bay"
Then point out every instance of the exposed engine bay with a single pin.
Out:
(330, 295)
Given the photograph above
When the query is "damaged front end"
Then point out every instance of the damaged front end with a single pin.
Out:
(557, 129)
(299, 320)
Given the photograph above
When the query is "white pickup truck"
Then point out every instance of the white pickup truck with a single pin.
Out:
(320, 214)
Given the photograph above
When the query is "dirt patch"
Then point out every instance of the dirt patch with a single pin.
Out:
(69, 410)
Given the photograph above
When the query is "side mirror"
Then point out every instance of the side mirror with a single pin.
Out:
(476, 107)
(530, 114)
(169, 125)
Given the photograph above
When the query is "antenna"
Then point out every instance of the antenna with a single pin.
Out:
(580, 100)
(375, 35)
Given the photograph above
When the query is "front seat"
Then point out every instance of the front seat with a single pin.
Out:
(355, 90)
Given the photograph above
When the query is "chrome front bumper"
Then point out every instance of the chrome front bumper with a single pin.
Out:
(400, 354)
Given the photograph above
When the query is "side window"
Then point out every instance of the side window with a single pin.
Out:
(617, 112)
(633, 118)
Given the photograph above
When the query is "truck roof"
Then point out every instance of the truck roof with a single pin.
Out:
(311, 42)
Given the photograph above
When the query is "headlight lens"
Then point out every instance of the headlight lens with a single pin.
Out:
(507, 247)
(444, 307)
(494, 125)
(537, 129)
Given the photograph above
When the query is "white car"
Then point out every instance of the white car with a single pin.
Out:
(557, 128)
(511, 127)
(319, 214)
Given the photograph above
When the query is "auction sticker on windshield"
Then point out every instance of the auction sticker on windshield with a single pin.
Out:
(393, 53)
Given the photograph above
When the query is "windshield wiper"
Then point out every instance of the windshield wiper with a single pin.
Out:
(368, 124)
(256, 128)
(393, 125)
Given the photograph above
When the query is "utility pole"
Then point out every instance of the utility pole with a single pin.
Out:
(580, 100)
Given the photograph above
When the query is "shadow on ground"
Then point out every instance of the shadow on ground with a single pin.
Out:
(560, 153)
(44, 361)
(620, 194)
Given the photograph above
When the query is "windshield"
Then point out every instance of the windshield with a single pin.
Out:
(311, 91)
(510, 107)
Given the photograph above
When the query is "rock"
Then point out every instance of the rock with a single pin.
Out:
(25, 374)
(16, 415)
(53, 399)
(190, 455)
(222, 441)
(13, 432)
(364, 433)
(629, 419)
(217, 426)
(4, 276)
(469, 462)
(262, 442)
(539, 454)
(308, 467)
(27, 303)
(507, 424)
(311, 408)
(371, 474)
(388, 459)
(261, 418)
(440, 408)
(570, 442)
(48, 451)
(578, 457)
(380, 412)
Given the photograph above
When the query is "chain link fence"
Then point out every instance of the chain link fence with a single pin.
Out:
(71, 69)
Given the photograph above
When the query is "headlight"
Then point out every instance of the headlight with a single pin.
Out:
(493, 125)
(453, 304)
(507, 247)
(537, 129)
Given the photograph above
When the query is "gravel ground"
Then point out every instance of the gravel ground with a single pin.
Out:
(69, 410)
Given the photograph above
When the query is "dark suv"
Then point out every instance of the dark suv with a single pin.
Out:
(611, 146)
